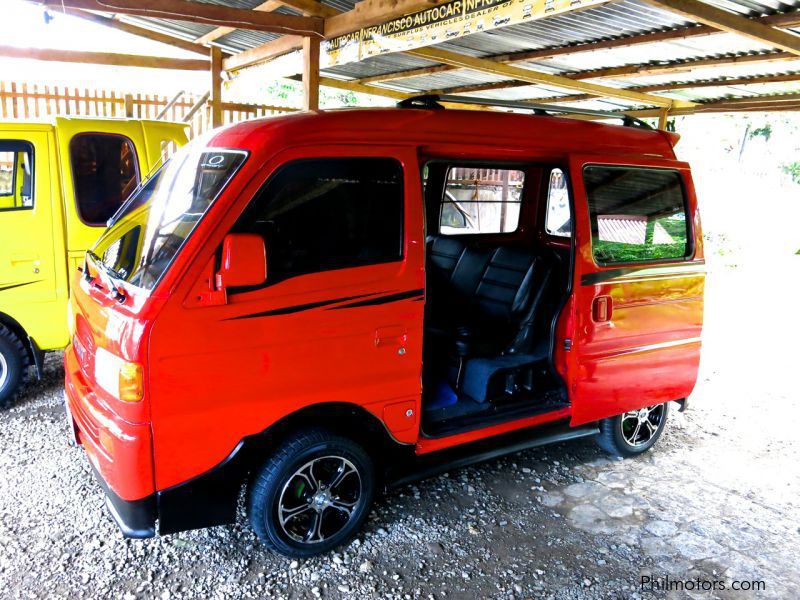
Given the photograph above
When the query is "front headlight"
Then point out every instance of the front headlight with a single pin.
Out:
(123, 379)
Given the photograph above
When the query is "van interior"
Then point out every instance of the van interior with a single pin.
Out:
(498, 266)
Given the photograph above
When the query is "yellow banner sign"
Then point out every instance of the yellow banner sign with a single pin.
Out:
(439, 24)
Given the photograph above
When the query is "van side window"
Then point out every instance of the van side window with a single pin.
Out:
(558, 220)
(104, 172)
(16, 175)
(330, 213)
(478, 200)
(637, 214)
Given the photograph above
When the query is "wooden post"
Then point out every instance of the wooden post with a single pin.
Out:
(216, 86)
(311, 72)
(662, 119)
(129, 106)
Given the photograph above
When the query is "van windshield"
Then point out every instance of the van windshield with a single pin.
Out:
(150, 229)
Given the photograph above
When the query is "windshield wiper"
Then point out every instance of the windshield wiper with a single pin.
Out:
(110, 275)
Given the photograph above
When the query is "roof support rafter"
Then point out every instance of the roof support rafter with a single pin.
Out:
(683, 66)
(263, 53)
(210, 14)
(487, 66)
(219, 32)
(373, 12)
(106, 58)
(150, 34)
(785, 102)
(686, 85)
(680, 33)
(310, 8)
(366, 13)
(732, 23)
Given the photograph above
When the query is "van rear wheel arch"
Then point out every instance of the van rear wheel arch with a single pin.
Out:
(338, 418)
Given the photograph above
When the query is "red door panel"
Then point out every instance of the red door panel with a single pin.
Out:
(352, 335)
(636, 332)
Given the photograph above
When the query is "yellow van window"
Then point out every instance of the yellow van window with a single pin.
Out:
(104, 172)
(16, 175)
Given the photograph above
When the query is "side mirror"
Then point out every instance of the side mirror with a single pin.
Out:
(244, 261)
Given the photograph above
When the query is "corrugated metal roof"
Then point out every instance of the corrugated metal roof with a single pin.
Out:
(604, 22)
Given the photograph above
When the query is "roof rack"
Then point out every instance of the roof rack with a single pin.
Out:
(432, 101)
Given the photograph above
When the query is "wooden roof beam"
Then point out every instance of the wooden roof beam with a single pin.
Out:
(210, 14)
(106, 58)
(516, 73)
(366, 13)
(685, 85)
(219, 32)
(785, 102)
(635, 70)
(263, 53)
(310, 8)
(150, 34)
(732, 23)
(681, 33)
(372, 12)
(352, 86)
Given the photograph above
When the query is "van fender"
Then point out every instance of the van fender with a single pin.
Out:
(35, 356)
(212, 498)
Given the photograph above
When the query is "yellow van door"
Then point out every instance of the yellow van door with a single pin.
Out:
(101, 163)
(28, 265)
(162, 139)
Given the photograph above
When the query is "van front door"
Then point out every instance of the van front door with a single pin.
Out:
(29, 293)
(639, 277)
(338, 319)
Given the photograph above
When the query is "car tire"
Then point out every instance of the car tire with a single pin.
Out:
(312, 495)
(13, 363)
(620, 436)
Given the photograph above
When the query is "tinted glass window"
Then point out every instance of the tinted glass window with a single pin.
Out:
(149, 231)
(16, 175)
(558, 220)
(636, 214)
(324, 214)
(104, 173)
(481, 201)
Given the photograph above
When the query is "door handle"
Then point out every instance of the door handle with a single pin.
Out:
(602, 309)
(394, 335)
(23, 258)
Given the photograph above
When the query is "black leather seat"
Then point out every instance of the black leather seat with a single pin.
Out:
(485, 302)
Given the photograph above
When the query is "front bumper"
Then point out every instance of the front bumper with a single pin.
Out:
(135, 518)
(116, 450)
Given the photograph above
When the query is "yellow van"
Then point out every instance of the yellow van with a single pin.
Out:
(60, 182)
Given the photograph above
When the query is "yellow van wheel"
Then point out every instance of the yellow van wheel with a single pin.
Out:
(13, 362)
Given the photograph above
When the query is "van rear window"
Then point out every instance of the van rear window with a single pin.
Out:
(637, 214)
(105, 172)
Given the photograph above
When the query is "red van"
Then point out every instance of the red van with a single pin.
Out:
(320, 306)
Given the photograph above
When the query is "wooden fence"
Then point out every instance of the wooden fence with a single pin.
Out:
(30, 101)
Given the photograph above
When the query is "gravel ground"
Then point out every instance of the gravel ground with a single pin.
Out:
(716, 500)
